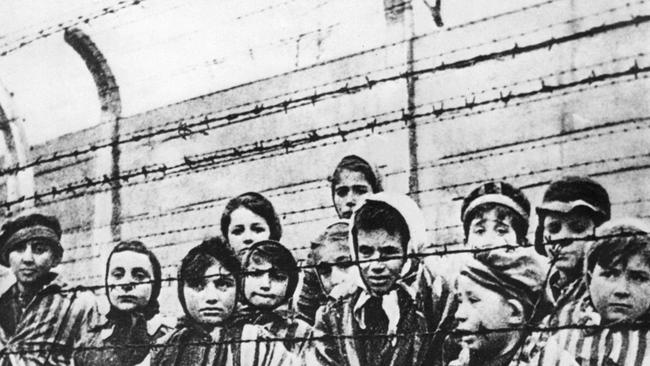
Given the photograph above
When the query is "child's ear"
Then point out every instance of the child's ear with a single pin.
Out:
(517, 316)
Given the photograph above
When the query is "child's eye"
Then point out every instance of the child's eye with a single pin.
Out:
(554, 227)
(279, 276)
(39, 248)
(366, 250)
(140, 275)
(473, 299)
(117, 273)
(359, 190)
(390, 251)
(478, 230)
(578, 226)
(342, 191)
(237, 230)
(223, 283)
(503, 230)
(639, 277)
(324, 269)
(258, 229)
(609, 273)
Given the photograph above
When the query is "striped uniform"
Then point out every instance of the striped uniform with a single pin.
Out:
(594, 346)
(49, 327)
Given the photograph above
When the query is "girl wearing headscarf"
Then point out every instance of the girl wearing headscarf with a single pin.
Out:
(208, 284)
(269, 282)
(351, 181)
(385, 320)
(132, 284)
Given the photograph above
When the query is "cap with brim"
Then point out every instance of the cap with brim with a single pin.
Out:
(566, 207)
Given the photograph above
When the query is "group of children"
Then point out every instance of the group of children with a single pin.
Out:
(578, 295)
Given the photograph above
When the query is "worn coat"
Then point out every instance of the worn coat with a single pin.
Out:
(49, 327)
(245, 345)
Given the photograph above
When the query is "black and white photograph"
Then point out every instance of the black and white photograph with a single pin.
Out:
(324, 182)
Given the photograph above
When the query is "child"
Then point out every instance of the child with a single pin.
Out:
(133, 279)
(616, 304)
(496, 290)
(495, 214)
(572, 208)
(380, 323)
(247, 219)
(330, 254)
(270, 280)
(328, 248)
(208, 283)
(352, 180)
(40, 316)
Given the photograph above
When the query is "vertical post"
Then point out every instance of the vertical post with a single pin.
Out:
(108, 207)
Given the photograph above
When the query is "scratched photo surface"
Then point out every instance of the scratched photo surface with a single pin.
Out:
(133, 129)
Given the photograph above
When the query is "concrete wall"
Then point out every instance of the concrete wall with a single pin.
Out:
(518, 90)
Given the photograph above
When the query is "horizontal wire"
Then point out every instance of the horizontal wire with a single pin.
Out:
(525, 327)
(233, 154)
(25, 40)
(432, 250)
(183, 130)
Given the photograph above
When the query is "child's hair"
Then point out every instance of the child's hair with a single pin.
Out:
(376, 215)
(200, 258)
(519, 224)
(152, 307)
(571, 193)
(509, 201)
(617, 242)
(355, 163)
(280, 259)
(257, 204)
(335, 234)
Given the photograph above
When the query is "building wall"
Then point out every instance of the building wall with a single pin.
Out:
(520, 90)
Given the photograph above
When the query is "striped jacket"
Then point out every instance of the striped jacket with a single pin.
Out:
(341, 341)
(624, 347)
(50, 326)
(237, 346)
(281, 323)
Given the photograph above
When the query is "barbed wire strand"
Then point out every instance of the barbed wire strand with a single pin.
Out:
(184, 130)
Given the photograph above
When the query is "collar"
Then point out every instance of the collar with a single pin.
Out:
(390, 304)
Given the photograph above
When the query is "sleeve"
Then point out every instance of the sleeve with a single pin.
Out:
(89, 318)
(310, 298)
(322, 350)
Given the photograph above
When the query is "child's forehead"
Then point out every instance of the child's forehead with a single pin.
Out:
(496, 213)
(216, 269)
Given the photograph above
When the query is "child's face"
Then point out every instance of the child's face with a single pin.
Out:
(334, 266)
(246, 228)
(622, 292)
(127, 269)
(374, 247)
(480, 308)
(349, 192)
(265, 286)
(213, 300)
(570, 225)
(488, 230)
(31, 260)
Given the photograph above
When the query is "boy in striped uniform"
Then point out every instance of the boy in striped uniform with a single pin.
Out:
(42, 319)
(612, 320)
